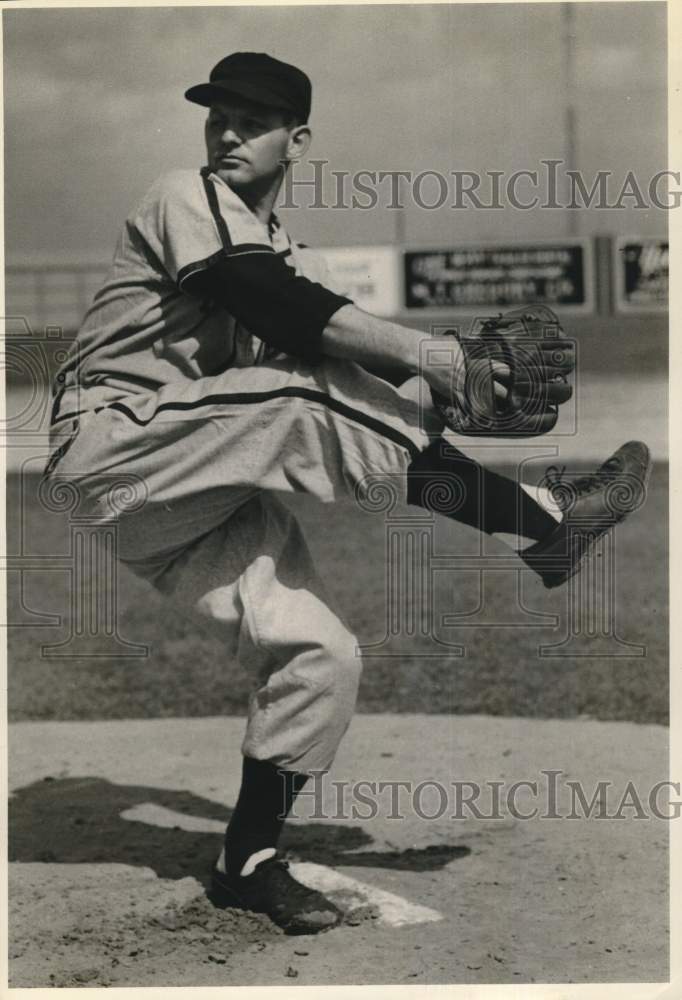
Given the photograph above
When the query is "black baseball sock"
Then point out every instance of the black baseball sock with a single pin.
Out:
(266, 796)
(482, 499)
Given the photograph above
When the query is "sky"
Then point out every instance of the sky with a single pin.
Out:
(94, 111)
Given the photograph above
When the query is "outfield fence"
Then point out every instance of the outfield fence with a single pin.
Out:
(51, 295)
(47, 300)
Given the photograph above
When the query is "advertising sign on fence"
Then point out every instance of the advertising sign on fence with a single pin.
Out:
(370, 276)
(473, 278)
(641, 274)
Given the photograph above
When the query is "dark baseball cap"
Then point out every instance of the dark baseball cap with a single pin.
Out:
(257, 77)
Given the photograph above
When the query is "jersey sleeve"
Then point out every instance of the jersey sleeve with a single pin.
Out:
(212, 246)
(189, 220)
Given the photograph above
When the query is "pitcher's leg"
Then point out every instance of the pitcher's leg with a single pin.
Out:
(297, 648)
(255, 580)
(484, 499)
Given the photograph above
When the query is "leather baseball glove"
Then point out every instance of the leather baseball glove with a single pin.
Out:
(513, 376)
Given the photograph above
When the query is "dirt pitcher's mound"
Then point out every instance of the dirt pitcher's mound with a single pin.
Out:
(463, 850)
(89, 925)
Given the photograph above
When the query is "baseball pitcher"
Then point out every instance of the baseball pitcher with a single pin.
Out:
(218, 367)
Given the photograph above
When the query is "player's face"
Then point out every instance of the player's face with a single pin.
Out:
(247, 142)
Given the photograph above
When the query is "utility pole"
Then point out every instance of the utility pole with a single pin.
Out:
(399, 226)
(570, 130)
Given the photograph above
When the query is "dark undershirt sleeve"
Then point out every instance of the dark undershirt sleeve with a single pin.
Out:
(283, 309)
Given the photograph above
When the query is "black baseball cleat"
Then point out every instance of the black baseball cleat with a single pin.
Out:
(272, 890)
(592, 504)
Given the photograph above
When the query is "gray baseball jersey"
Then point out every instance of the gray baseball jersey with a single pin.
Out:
(142, 331)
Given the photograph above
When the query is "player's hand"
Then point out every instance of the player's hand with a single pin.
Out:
(508, 378)
(448, 381)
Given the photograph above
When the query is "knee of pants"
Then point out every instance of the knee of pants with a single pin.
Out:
(299, 717)
(344, 668)
(334, 711)
(321, 682)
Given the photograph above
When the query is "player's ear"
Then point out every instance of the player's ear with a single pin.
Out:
(298, 142)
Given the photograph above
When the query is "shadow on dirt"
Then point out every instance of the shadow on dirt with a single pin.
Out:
(78, 820)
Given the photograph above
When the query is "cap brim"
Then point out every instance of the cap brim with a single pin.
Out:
(207, 93)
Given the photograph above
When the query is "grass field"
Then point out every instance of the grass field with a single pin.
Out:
(187, 673)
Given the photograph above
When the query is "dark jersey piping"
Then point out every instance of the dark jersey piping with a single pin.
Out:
(251, 398)
(212, 197)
